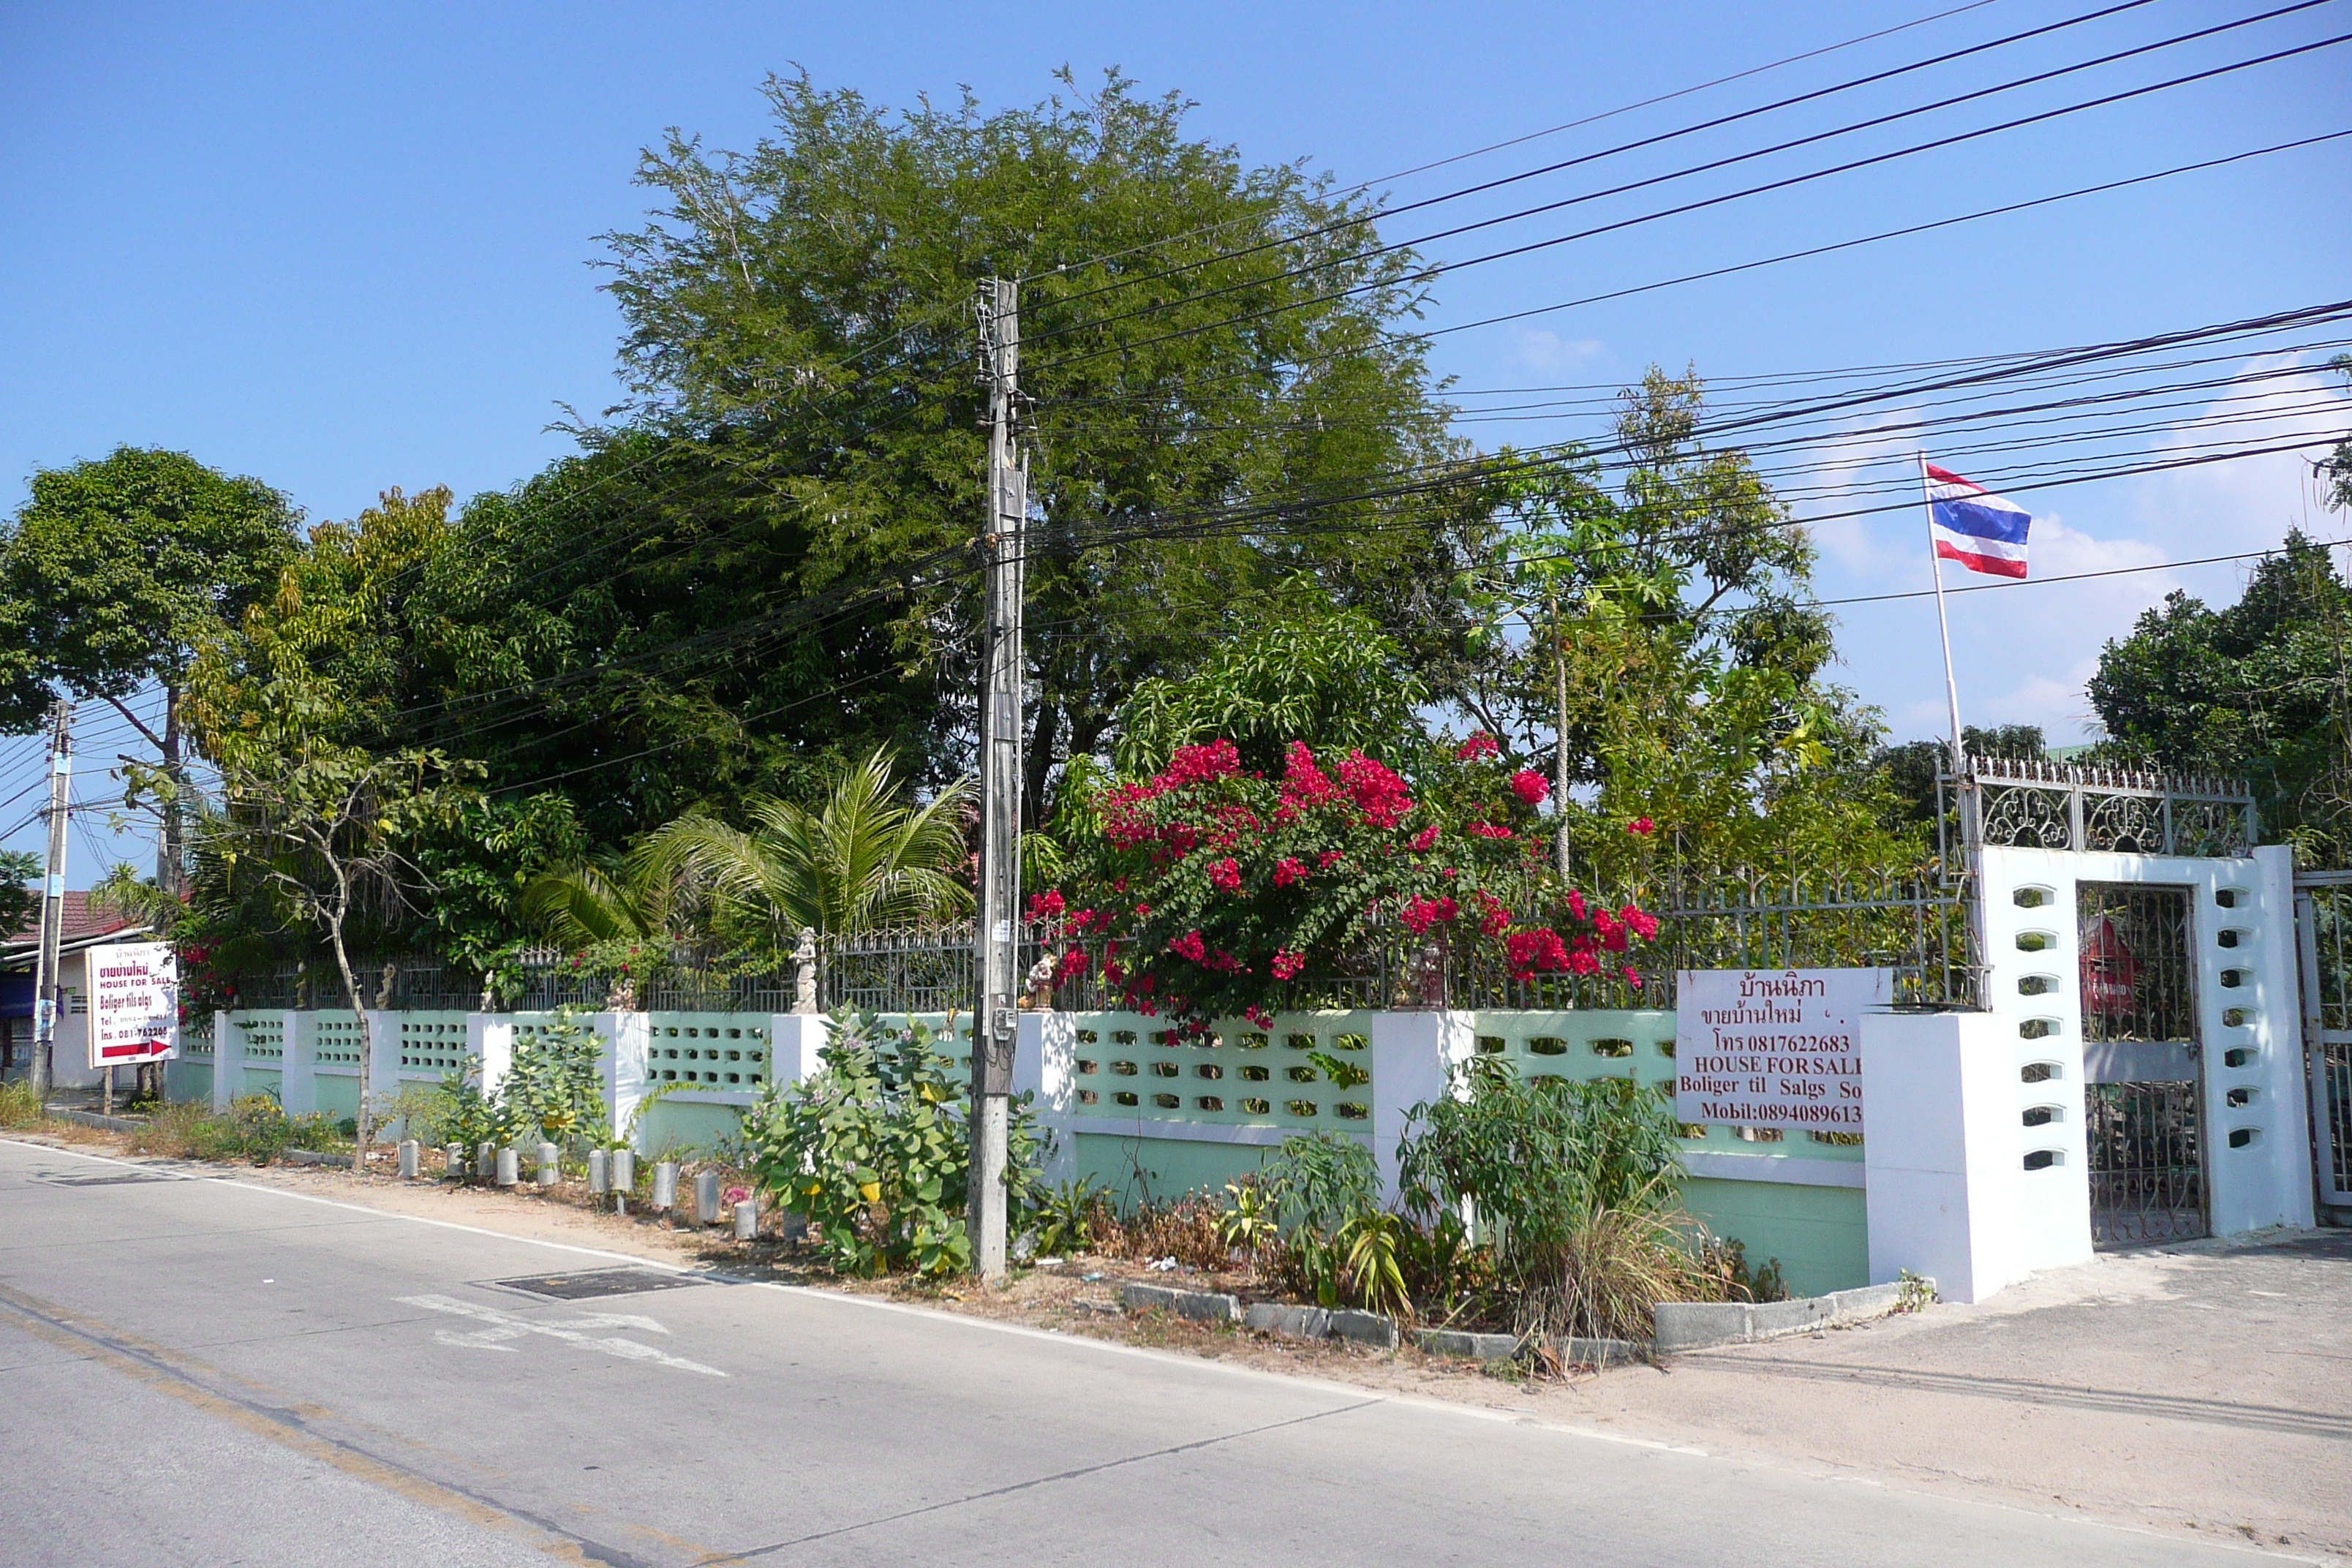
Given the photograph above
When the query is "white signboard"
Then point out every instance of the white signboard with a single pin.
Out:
(134, 1003)
(1756, 1048)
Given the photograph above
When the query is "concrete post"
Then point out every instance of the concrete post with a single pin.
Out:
(549, 1164)
(1414, 1056)
(454, 1163)
(665, 1184)
(627, 1037)
(706, 1198)
(1943, 1153)
(411, 1158)
(624, 1170)
(793, 1041)
(509, 1168)
(297, 1083)
(496, 1048)
(1044, 1063)
(600, 1173)
(228, 1059)
(486, 1161)
(747, 1219)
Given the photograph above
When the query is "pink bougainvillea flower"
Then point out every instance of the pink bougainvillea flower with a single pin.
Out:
(1643, 924)
(1576, 904)
(1477, 746)
(1494, 916)
(1379, 793)
(1424, 838)
(1632, 979)
(1530, 786)
(1197, 764)
(1188, 945)
(1073, 965)
(1045, 905)
(1287, 962)
(1289, 869)
(1533, 950)
(1227, 874)
(1642, 826)
(734, 1196)
(1328, 859)
(1302, 781)
(1488, 830)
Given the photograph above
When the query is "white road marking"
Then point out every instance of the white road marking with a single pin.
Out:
(504, 1326)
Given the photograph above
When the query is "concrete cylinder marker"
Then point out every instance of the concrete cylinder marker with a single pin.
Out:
(457, 1163)
(706, 1198)
(665, 1184)
(624, 1170)
(412, 1154)
(549, 1156)
(747, 1219)
(509, 1168)
(486, 1161)
(600, 1173)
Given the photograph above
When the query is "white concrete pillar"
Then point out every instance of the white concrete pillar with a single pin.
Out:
(1415, 1059)
(1943, 1152)
(1044, 1063)
(793, 1041)
(494, 1045)
(298, 1083)
(2258, 1124)
(228, 1059)
(384, 1055)
(627, 1038)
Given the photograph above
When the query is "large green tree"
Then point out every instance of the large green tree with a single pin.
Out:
(114, 573)
(1197, 332)
(2261, 688)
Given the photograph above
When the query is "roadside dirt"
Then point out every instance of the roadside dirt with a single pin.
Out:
(2203, 1389)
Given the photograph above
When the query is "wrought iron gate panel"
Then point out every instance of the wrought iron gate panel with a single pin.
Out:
(2144, 1108)
(2148, 1168)
(2323, 918)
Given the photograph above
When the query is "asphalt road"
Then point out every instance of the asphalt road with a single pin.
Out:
(195, 1370)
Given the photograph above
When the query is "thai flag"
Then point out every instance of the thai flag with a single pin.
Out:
(1973, 526)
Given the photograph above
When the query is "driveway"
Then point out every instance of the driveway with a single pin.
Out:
(2203, 1389)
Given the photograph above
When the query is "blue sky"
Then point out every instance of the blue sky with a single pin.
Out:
(349, 247)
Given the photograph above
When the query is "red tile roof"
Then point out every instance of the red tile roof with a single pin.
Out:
(81, 923)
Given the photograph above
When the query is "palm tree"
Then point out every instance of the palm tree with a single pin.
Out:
(862, 859)
(607, 898)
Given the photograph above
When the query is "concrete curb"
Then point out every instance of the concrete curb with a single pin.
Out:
(1694, 1325)
(93, 1119)
(1460, 1343)
(1201, 1306)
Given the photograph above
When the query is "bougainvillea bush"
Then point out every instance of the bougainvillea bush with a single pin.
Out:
(1211, 887)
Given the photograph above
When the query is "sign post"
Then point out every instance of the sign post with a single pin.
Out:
(134, 1003)
(1757, 1047)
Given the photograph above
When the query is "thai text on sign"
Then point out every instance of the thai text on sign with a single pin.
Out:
(134, 1003)
(1756, 1048)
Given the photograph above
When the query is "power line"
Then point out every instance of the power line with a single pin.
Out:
(1435, 270)
(1653, 141)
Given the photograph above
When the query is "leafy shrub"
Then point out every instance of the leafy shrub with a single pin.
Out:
(19, 1106)
(255, 1127)
(1572, 1190)
(872, 1150)
(554, 1089)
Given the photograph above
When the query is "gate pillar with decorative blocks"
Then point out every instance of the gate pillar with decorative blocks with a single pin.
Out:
(2151, 1003)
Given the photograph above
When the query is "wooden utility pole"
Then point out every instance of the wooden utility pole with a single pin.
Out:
(48, 990)
(996, 1017)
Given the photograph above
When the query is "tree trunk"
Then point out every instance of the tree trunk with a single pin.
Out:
(367, 1039)
(1039, 764)
(1559, 734)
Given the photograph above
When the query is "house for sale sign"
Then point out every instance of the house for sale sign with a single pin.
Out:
(1759, 1047)
(134, 1003)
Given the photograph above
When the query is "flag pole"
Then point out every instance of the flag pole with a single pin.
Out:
(1943, 622)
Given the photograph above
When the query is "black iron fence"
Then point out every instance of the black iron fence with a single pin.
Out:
(1917, 927)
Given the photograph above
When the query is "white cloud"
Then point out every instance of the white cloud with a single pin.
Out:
(1542, 349)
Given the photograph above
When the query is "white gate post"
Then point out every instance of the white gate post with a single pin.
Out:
(626, 1037)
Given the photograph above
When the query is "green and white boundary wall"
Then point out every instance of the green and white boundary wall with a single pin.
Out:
(1973, 1168)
